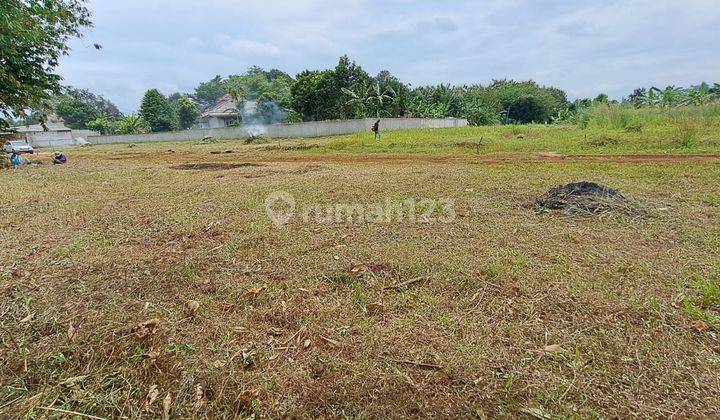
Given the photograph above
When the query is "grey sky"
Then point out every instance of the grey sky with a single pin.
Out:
(581, 46)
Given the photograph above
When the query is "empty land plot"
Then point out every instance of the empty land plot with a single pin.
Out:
(130, 288)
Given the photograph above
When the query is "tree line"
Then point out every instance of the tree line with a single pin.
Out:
(36, 35)
(347, 91)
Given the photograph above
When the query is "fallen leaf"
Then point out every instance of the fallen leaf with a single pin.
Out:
(146, 328)
(375, 307)
(27, 318)
(701, 326)
(246, 397)
(252, 291)
(554, 349)
(307, 343)
(358, 268)
(167, 402)
(151, 397)
(191, 307)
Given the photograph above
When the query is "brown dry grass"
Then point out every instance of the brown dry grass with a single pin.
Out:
(518, 313)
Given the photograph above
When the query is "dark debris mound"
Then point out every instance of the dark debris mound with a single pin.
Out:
(212, 166)
(587, 199)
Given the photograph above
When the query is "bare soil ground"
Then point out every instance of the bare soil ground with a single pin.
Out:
(131, 289)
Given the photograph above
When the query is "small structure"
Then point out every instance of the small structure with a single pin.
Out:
(223, 114)
(56, 135)
(227, 114)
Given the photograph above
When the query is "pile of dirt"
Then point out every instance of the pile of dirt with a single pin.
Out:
(587, 199)
(212, 166)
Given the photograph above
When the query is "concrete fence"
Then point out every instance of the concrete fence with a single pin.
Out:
(307, 129)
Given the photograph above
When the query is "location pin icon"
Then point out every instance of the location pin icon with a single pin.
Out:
(280, 207)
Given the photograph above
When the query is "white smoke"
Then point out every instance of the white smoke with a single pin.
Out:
(257, 115)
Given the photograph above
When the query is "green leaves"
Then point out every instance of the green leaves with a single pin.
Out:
(157, 111)
(187, 112)
(35, 34)
(79, 106)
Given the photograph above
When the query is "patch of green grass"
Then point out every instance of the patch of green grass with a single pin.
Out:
(710, 295)
(710, 317)
(687, 135)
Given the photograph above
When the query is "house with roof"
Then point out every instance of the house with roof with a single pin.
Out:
(225, 113)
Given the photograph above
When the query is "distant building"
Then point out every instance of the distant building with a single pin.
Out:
(222, 114)
(56, 135)
(225, 113)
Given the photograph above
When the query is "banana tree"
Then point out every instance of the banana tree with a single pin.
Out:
(374, 97)
(700, 95)
(672, 96)
(653, 97)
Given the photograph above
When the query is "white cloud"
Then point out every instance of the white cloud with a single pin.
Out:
(584, 46)
(246, 46)
(194, 42)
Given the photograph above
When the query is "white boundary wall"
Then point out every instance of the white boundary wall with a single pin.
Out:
(307, 129)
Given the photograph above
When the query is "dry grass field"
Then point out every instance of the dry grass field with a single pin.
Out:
(149, 282)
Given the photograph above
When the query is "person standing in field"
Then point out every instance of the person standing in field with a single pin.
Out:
(376, 129)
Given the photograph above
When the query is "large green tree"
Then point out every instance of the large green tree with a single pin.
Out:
(258, 84)
(208, 93)
(78, 106)
(314, 95)
(157, 112)
(348, 77)
(325, 95)
(187, 112)
(34, 34)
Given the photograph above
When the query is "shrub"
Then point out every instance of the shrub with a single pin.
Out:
(526, 102)
(687, 135)
(526, 109)
(4, 160)
(128, 125)
(634, 127)
(131, 125)
(603, 141)
(582, 117)
(102, 125)
(482, 116)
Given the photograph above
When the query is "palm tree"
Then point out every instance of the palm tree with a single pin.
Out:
(132, 125)
(373, 96)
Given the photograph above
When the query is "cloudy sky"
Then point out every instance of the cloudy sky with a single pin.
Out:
(582, 46)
